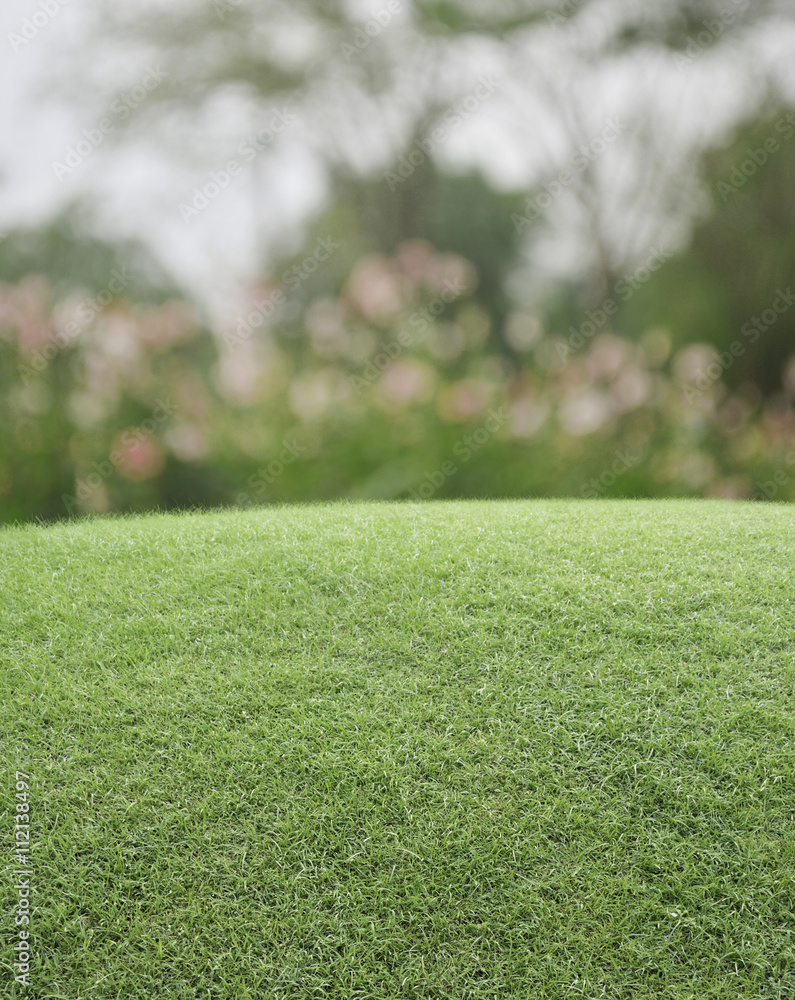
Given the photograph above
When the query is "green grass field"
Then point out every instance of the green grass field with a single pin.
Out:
(528, 749)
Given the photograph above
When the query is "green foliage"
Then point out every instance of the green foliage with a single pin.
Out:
(392, 384)
(72, 257)
(741, 256)
(456, 213)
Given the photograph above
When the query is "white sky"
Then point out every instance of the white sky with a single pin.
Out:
(141, 186)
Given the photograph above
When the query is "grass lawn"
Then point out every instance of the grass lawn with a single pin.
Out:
(525, 749)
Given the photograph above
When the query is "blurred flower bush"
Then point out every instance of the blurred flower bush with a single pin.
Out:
(390, 388)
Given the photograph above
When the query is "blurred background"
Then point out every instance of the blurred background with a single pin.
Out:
(255, 253)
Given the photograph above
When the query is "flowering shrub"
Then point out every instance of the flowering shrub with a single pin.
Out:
(390, 388)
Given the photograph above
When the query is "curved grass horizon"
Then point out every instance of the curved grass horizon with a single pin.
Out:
(458, 749)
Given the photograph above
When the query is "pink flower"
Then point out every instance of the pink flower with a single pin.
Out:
(585, 412)
(465, 399)
(631, 389)
(374, 289)
(413, 258)
(451, 272)
(406, 381)
(694, 361)
(527, 415)
(138, 456)
(607, 357)
(172, 323)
